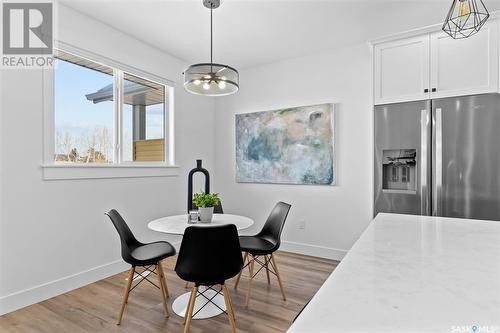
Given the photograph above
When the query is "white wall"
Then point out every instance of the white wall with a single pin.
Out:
(54, 235)
(335, 215)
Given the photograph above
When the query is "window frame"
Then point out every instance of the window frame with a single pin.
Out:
(118, 168)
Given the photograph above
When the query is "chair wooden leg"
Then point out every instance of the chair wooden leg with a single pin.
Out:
(232, 307)
(125, 293)
(250, 279)
(191, 299)
(162, 289)
(278, 276)
(239, 275)
(266, 262)
(229, 308)
(164, 279)
(189, 310)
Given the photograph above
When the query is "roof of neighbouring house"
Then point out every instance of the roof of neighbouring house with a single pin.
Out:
(137, 91)
(133, 94)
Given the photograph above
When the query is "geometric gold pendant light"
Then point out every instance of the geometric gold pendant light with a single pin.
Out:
(465, 18)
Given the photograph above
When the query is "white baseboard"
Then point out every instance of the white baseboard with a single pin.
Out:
(60, 286)
(313, 250)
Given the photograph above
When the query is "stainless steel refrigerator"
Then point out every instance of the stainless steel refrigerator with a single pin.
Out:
(439, 157)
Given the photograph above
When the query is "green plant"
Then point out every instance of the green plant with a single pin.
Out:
(205, 200)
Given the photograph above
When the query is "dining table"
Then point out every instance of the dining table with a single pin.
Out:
(209, 302)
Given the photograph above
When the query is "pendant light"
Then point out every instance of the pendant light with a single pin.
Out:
(211, 79)
(465, 18)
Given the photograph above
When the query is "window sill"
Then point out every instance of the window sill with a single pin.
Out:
(99, 171)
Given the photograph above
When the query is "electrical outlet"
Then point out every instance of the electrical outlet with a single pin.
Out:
(302, 224)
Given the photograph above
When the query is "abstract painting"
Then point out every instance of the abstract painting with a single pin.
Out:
(286, 146)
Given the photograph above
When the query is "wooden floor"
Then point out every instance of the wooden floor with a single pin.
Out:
(94, 308)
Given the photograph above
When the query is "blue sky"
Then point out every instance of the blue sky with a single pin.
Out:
(71, 84)
(76, 115)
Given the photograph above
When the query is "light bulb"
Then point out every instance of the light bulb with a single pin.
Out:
(464, 8)
(463, 13)
(222, 85)
(197, 82)
(206, 85)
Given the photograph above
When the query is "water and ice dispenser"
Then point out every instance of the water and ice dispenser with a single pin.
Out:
(399, 170)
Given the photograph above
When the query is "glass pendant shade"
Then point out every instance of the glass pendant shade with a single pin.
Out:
(465, 18)
(210, 79)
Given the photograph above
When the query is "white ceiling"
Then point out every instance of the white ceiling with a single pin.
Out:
(250, 33)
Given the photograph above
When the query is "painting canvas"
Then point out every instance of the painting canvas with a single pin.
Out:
(286, 146)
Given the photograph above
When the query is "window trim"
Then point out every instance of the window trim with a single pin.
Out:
(119, 168)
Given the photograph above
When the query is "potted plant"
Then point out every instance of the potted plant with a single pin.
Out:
(205, 203)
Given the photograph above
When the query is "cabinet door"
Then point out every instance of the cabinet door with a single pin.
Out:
(465, 66)
(402, 70)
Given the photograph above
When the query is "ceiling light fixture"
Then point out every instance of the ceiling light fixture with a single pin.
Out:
(465, 18)
(211, 79)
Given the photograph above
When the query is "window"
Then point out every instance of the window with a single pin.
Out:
(85, 109)
(103, 114)
(143, 120)
(83, 125)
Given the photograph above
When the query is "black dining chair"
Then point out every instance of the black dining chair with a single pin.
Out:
(217, 210)
(138, 254)
(208, 257)
(262, 246)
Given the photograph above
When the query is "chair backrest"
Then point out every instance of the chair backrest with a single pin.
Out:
(274, 225)
(209, 255)
(128, 241)
(218, 209)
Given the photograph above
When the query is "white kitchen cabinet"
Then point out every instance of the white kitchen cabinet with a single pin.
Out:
(402, 70)
(433, 65)
(464, 66)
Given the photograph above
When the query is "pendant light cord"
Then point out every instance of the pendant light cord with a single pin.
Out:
(211, 38)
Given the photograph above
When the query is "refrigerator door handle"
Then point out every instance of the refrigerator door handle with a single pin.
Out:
(425, 167)
(438, 162)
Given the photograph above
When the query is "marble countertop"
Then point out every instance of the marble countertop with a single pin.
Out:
(412, 274)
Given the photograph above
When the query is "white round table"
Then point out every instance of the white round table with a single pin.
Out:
(176, 225)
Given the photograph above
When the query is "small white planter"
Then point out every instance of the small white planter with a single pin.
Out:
(206, 214)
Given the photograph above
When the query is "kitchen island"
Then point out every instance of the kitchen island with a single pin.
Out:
(411, 273)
